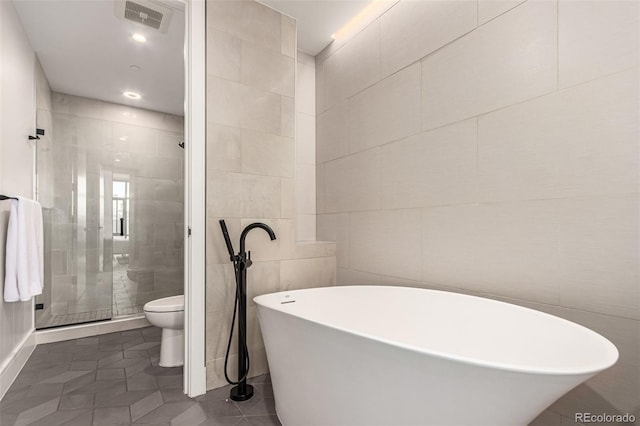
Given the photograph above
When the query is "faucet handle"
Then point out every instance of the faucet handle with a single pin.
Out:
(248, 262)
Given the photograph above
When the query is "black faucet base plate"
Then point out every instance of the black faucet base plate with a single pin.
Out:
(235, 394)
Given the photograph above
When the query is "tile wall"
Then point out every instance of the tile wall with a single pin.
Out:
(256, 167)
(491, 147)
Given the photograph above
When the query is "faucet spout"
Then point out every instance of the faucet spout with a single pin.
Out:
(248, 228)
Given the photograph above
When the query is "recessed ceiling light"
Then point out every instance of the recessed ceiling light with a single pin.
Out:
(123, 138)
(132, 95)
(139, 38)
(134, 67)
(117, 160)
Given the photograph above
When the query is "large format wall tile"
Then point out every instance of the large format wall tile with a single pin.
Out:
(266, 70)
(577, 142)
(266, 154)
(307, 273)
(332, 133)
(352, 68)
(240, 195)
(243, 106)
(599, 240)
(509, 60)
(386, 111)
(386, 242)
(248, 20)
(489, 9)
(223, 55)
(432, 168)
(413, 29)
(353, 183)
(596, 38)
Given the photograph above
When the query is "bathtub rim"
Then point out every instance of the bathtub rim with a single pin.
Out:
(612, 353)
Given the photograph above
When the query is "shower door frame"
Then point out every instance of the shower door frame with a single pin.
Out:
(195, 371)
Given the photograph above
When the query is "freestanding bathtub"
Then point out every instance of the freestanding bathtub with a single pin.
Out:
(376, 355)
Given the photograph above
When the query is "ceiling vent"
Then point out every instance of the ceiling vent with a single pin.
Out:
(149, 13)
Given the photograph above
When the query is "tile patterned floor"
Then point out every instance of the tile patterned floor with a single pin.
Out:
(114, 379)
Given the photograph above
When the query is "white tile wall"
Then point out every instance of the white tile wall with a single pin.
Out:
(267, 70)
(487, 70)
(267, 154)
(352, 68)
(332, 133)
(354, 182)
(306, 139)
(305, 189)
(413, 29)
(437, 167)
(385, 112)
(224, 62)
(386, 241)
(489, 9)
(533, 150)
(596, 38)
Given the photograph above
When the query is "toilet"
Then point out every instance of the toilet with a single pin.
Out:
(168, 314)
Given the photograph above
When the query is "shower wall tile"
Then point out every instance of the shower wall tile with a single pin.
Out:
(287, 198)
(599, 246)
(353, 277)
(306, 83)
(248, 20)
(243, 106)
(432, 168)
(596, 39)
(413, 29)
(530, 151)
(333, 133)
(241, 195)
(288, 117)
(386, 241)
(387, 111)
(305, 198)
(487, 70)
(354, 67)
(223, 148)
(307, 273)
(266, 154)
(264, 278)
(288, 36)
(267, 70)
(305, 139)
(335, 227)
(224, 58)
(167, 144)
(353, 183)
(489, 9)
(305, 227)
(320, 190)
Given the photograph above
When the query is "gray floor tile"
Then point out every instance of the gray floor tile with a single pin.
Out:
(76, 402)
(146, 405)
(111, 416)
(271, 420)
(165, 413)
(262, 407)
(110, 374)
(99, 382)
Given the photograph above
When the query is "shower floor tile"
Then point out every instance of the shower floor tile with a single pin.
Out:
(115, 379)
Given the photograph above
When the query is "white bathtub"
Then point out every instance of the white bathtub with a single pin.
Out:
(375, 355)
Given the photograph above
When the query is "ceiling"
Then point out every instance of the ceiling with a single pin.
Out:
(85, 50)
(318, 19)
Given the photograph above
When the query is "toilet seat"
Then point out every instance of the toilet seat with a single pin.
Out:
(166, 304)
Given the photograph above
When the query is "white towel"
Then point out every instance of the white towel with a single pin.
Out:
(25, 251)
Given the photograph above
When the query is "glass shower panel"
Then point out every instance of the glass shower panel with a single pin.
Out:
(74, 177)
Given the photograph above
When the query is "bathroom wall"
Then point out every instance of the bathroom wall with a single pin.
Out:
(491, 147)
(251, 171)
(305, 146)
(94, 143)
(17, 122)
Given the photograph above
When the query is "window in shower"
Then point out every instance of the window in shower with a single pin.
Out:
(120, 208)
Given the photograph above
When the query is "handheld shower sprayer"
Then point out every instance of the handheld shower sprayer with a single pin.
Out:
(241, 262)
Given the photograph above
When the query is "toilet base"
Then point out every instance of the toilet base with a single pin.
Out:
(172, 348)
